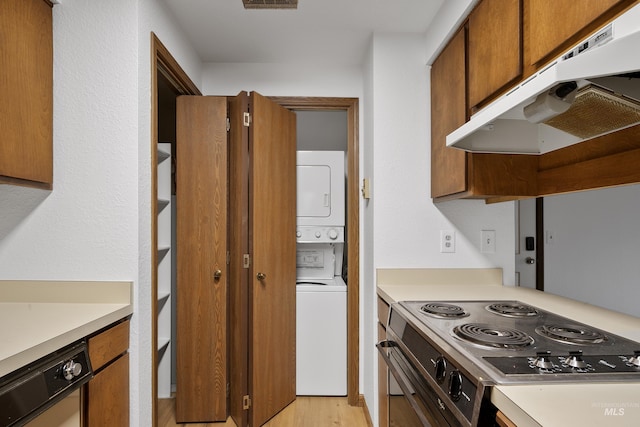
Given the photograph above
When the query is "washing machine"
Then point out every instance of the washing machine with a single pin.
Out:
(321, 335)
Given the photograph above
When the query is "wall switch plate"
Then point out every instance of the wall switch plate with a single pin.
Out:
(447, 241)
(488, 241)
(550, 237)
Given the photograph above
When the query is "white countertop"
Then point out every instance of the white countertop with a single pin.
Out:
(39, 317)
(593, 404)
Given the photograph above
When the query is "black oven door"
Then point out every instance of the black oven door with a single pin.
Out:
(412, 402)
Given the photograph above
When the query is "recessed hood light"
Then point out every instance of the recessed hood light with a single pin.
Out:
(270, 4)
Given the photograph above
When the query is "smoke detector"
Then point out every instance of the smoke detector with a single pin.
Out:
(270, 4)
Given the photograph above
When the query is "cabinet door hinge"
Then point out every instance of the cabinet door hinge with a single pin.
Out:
(246, 260)
(246, 402)
(246, 119)
(228, 124)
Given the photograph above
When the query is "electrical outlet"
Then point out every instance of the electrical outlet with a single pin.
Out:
(488, 241)
(447, 241)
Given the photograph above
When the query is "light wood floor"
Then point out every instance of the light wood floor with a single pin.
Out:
(304, 411)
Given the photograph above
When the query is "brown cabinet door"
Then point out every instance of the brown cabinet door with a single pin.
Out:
(494, 48)
(272, 274)
(201, 225)
(26, 105)
(107, 396)
(551, 22)
(448, 107)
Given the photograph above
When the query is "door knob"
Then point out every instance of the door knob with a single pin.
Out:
(530, 260)
(217, 274)
(261, 276)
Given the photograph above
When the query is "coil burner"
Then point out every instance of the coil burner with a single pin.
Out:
(443, 310)
(571, 334)
(512, 309)
(489, 336)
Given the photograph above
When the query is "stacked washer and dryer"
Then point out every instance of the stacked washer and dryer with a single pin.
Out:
(321, 292)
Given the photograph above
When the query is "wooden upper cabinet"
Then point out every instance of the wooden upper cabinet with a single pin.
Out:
(494, 48)
(551, 24)
(26, 105)
(448, 112)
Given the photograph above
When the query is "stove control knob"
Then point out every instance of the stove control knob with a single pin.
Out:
(635, 360)
(441, 369)
(543, 360)
(333, 234)
(318, 235)
(575, 359)
(455, 385)
(71, 369)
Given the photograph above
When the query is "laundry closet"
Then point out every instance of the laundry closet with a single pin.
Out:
(321, 291)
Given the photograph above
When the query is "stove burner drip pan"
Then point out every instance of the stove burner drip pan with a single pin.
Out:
(512, 309)
(571, 334)
(443, 310)
(494, 337)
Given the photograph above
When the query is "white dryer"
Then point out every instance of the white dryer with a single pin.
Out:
(320, 188)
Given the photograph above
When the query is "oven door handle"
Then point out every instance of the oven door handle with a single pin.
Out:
(382, 346)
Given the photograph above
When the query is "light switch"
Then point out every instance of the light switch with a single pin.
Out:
(488, 241)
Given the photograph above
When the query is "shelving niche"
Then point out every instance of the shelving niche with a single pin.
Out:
(164, 303)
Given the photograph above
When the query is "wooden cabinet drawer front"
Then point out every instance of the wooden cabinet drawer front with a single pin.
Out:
(108, 345)
(383, 311)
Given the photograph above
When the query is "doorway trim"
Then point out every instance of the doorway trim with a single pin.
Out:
(350, 105)
(161, 62)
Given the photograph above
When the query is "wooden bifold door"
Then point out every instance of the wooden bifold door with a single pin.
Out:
(235, 190)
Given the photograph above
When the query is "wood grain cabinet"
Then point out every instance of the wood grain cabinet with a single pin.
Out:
(26, 105)
(455, 173)
(106, 396)
(482, 61)
(494, 48)
(554, 26)
(383, 372)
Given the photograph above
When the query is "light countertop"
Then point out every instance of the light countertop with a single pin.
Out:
(39, 317)
(592, 404)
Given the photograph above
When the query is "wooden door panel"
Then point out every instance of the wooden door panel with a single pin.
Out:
(201, 300)
(238, 246)
(494, 49)
(448, 112)
(551, 22)
(272, 139)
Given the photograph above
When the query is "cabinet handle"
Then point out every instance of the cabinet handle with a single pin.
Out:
(217, 275)
(261, 276)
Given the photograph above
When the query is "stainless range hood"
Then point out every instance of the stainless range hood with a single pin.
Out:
(592, 90)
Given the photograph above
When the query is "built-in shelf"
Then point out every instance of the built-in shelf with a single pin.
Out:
(162, 203)
(162, 156)
(164, 270)
(162, 252)
(163, 343)
(162, 297)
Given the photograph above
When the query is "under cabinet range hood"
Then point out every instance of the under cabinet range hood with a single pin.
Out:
(591, 90)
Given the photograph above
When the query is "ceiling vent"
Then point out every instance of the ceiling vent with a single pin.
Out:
(270, 4)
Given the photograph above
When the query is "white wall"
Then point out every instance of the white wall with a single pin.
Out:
(95, 224)
(406, 223)
(594, 252)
